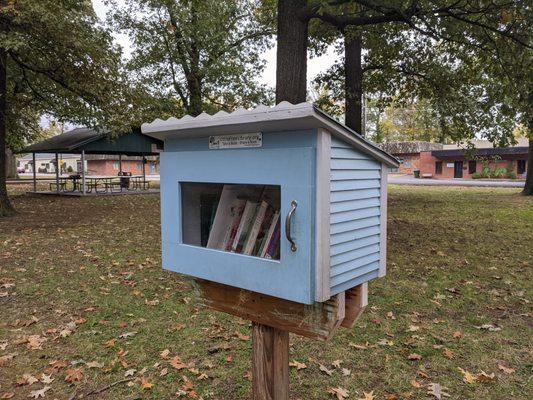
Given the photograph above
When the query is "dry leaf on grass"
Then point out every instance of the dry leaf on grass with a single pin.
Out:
(46, 378)
(437, 391)
(468, 377)
(145, 384)
(165, 354)
(73, 375)
(7, 395)
(505, 369)
(324, 369)
(6, 358)
(346, 372)
(94, 364)
(414, 356)
(339, 392)
(368, 396)
(448, 353)
(415, 383)
(176, 362)
(36, 394)
(336, 363)
(297, 365)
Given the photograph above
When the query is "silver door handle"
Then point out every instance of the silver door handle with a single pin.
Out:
(288, 222)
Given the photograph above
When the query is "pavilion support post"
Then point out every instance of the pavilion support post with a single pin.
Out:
(144, 172)
(57, 173)
(120, 164)
(83, 172)
(34, 169)
(270, 363)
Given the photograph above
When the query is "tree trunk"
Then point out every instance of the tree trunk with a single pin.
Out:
(11, 164)
(353, 83)
(5, 205)
(195, 100)
(528, 187)
(291, 62)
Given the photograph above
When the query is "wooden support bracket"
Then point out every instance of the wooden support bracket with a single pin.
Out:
(316, 321)
(356, 300)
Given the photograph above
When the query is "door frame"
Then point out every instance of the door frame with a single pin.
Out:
(458, 169)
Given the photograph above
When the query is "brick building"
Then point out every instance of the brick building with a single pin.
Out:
(99, 164)
(439, 161)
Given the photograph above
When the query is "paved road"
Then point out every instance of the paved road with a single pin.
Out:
(410, 180)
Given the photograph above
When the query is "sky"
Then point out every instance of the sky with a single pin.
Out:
(314, 65)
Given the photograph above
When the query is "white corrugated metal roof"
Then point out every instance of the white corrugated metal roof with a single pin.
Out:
(282, 117)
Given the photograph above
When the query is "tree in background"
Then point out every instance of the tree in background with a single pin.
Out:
(56, 60)
(470, 61)
(197, 55)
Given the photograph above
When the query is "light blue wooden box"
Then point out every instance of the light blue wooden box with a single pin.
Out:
(338, 179)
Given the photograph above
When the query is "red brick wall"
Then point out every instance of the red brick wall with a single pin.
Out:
(427, 166)
(110, 167)
(409, 164)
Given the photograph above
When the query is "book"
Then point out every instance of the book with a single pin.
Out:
(257, 223)
(223, 217)
(268, 234)
(273, 245)
(237, 214)
(244, 226)
(208, 207)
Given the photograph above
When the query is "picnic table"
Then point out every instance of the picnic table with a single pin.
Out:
(102, 183)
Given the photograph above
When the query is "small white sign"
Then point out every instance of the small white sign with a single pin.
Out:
(236, 141)
(449, 165)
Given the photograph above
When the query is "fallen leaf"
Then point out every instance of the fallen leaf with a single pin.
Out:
(297, 365)
(34, 342)
(468, 377)
(415, 383)
(358, 346)
(177, 363)
(145, 384)
(505, 369)
(414, 356)
(27, 379)
(164, 354)
(73, 374)
(325, 369)
(484, 377)
(368, 396)
(163, 372)
(489, 327)
(130, 372)
(346, 372)
(457, 334)
(94, 364)
(127, 335)
(336, 363)
(437, 391)
(39, 393)
(229, 359)
(46, 378)
(110, 342)
(448, 353)
(339, 392)
(7, 395)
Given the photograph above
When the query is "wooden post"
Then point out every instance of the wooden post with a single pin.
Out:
(120, 164)
(57, 173)
(144, 172)
(83, 172)
(270, 363)
(34, 168)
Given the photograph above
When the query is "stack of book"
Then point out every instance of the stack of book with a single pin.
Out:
(244, 226)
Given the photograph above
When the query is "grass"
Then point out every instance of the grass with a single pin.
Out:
(81, 279)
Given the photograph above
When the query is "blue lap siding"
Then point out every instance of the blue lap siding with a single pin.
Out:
(354, 217)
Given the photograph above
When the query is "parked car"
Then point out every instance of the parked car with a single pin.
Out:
(21, 170)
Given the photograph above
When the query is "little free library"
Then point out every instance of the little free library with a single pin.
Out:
(280, 215)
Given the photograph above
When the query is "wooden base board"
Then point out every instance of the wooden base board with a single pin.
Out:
(316, 321)
(356, 300)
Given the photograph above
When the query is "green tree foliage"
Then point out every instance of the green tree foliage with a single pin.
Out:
(57, 60)
(471, 61)
(197, 55)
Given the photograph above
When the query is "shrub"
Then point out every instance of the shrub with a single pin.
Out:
(485, 173)
(511, 175)
(70, 169)
(476, 175)
(499, 172)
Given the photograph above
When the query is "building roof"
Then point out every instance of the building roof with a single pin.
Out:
(495, 151)
(282, 117)
(484, 144)
(410, 147)
(92, 142)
